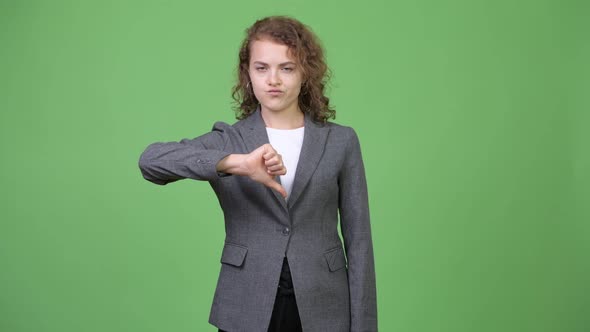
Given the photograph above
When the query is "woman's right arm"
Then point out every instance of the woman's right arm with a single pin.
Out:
(198, 158)
(204, 158)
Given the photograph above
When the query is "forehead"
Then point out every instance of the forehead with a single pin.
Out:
(270, 52)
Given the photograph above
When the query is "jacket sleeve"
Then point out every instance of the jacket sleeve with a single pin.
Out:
(356, 231)
(197, 158)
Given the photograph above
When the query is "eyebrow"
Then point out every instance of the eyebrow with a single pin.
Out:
(281, 64)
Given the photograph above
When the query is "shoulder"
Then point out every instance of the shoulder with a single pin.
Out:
(226, 128)
(342, 132)
(222, 126)
(235, 126)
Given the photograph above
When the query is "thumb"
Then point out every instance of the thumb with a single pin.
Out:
(276, 186)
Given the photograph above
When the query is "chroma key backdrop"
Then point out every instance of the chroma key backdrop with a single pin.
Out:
(472, 115)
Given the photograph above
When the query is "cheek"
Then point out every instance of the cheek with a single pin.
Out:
(296, 89)
(256, 85)
(255, 79)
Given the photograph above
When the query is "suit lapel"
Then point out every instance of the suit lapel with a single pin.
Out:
(314, 140)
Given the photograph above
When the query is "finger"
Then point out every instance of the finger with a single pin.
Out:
(281, 172)
(277, 160)
(275, 168)
(269, 151)
(273, 162)
(277, 173)
(268, 155)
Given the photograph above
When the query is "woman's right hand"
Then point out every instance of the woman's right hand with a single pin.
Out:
(261, 165)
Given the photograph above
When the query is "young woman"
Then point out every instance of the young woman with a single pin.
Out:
(282, 175)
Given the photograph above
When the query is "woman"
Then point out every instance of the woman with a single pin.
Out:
(282, 173)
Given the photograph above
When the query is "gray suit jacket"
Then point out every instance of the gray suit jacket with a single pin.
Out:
(262, 227)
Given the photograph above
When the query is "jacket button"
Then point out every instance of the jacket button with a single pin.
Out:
(286, 231)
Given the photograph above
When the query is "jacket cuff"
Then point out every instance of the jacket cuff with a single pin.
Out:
(209, 163)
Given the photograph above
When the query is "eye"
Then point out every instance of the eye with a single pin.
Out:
(289, 69)
(260, 68)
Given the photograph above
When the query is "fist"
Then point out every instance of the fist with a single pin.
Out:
(263, 165)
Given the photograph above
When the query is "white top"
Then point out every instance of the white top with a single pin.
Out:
(287, 143)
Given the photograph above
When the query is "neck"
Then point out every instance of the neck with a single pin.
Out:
(285, 119)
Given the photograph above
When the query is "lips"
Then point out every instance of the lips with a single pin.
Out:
(275, 92)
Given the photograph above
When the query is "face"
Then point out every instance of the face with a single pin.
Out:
(275, 77)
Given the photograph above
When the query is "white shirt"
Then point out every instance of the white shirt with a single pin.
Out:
(287, 143)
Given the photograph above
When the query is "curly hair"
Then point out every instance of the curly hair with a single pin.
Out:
(307, 50)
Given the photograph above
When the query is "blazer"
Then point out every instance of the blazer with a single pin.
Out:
(335, 287)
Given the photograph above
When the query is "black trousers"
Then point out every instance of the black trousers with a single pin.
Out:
(285, 315)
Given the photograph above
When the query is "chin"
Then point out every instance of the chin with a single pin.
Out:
(274, 106)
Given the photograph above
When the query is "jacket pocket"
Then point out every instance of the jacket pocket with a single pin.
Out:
(335, 258)
(233, 254)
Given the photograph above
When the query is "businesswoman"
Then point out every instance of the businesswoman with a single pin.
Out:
(284, 176)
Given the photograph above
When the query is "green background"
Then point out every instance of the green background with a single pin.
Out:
(473, 120)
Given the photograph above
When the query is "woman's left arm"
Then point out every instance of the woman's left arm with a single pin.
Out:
(356, 230)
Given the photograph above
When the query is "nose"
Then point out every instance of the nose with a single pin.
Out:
(273, 78)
